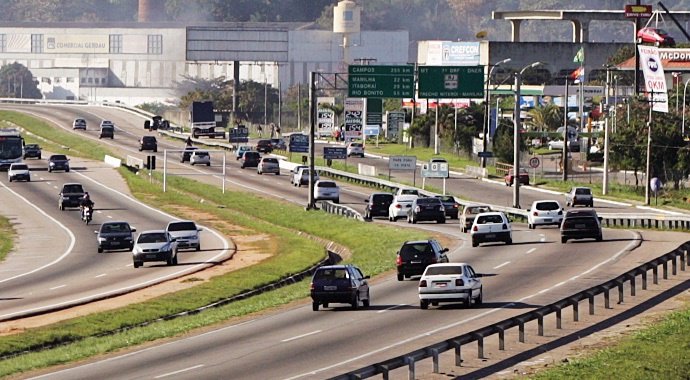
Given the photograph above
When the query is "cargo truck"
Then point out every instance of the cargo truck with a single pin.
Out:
(203, 120)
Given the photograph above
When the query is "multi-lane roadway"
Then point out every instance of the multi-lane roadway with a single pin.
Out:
(295, 343)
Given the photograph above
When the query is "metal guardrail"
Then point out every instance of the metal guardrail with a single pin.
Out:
(498, 329)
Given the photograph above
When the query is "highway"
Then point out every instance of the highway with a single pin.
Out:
(300, 343)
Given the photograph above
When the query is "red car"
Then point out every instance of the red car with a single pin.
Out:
(524, 177)
(654, 36)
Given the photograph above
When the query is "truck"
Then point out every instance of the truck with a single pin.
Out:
(203, 120)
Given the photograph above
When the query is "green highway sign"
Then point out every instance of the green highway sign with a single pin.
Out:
(380, 82)
(451, 82)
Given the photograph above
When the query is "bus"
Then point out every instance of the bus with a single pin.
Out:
(11, 147)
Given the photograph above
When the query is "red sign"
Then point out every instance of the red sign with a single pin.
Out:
(637, 11)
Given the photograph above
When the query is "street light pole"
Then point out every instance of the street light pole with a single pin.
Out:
(487, 108)
(565, 132)
(683, 124)
(516, 135)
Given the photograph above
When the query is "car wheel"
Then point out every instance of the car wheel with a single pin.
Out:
(423, 304)
(175, 260)
(155, 150)
(277, 173)
(66, 170)
(259, 173)
(315, 306)
(530, 226)
(567, 204)
(50, 170)
(591, 204)
(61, 207)
(479, 300)
(463, 229)
(367, 301)
(100, 249)
(434, 304)
(400, 277)
(475, 244)
(442, 221)
(10, 179)
(170, 260)
(600, 238)
(563, 239)
(355, 302)
(140, 149)
(137, 264)
(509, 241)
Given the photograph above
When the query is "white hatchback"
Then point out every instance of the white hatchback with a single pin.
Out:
(326, 190)
(544, 213)
(18, 172)
(200, 157)
(400, 206)
(449, 282)
(491, 227)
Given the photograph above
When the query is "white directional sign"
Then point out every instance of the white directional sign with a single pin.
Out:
(402, 163)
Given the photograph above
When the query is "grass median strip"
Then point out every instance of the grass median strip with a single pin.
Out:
(7, 235)
(372, 246)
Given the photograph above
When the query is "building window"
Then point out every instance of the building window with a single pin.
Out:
(3, 43)
(37, 43)
(83, 80)
(155, 44)
(69, 79)
(116, 43)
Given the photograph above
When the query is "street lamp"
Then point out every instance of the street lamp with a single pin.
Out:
(683, 124)
(486, 107)
(516, 135)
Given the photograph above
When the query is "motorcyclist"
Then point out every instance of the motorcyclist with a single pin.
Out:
(85, 202)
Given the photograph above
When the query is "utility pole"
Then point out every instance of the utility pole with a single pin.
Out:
(565, 133)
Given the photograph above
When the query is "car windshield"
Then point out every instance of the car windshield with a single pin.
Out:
(428, 201)
(58, 157)
(72, 189)
(382, 198)
(115, 227)
(477, 210)
(486, 219)
(201, 154)
(182, 226)
(31, 146)
(446, 199)
(331, 274)
(154, 237)
(440, 270)
(409, 192)
(271, 160)
(149, 139)
(326, 184)
(548, 206)
(19, 167)
(583, 191)
(409, 251)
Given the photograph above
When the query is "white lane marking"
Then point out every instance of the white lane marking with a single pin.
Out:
(392, 308)
(300, 336)
(57, 287)
(99, 211)
(101, 275)
(72, 238)
(180, 371)
(109, 216)
(531, 250)
(502, 265)
(454, 324)
(542, 238)
(129, 265)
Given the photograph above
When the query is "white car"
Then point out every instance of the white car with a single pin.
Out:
(300, 176)
(491, 227)
(268, 165)
(449, 282)
(155, 245)
(355, 149)
(400, 206)
(326, 190)
(407, 191)
(200, 157)
(18, 172)
(544, 213)
(186, 234)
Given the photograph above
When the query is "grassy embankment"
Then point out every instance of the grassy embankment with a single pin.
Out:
(7, 234)
(372, 247)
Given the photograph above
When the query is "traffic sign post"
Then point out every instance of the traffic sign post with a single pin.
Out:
(452, 82)
(403, 163)
(380, 81)
(534, 164)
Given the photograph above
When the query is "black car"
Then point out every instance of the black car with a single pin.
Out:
(451, 205)
(377, 205)
(414, 256)
(339, 284)
(187, 153)
(70, 195)
(115, 235)
(58, 162)
(250, 159)
(148, 143)
(426, 209)
(264, 146)
(278, 144)
(32, 151)
(581, 224)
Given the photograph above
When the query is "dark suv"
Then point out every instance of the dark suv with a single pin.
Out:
(426, 209)
(264, 146)
(414, 256)
(581, 224)
(70, 195)
(250, 159)
(32, 150)
(58, 162)
(339, 284)
(148, 143)
(115, 235)
(377, 205)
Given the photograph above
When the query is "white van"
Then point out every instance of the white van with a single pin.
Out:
(300, 176)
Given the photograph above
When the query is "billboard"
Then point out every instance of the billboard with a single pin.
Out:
(354, 118)
(448, 53)
(654, 78)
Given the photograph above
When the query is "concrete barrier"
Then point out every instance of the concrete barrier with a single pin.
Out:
(112, 161)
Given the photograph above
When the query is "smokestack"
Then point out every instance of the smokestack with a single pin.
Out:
(151, 10)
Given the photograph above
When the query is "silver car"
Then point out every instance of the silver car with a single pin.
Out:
(579, 196)
(154, 245)
(268, 165)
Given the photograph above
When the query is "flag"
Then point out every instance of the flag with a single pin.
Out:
(580, 56)
(578, 75)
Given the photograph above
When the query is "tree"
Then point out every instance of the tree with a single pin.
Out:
(16, 81)
(545, 118)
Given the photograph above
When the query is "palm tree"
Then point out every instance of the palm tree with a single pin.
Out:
(545, 118)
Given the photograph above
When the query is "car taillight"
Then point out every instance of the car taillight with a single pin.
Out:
(574, 198)
(417, 209)
(456, 206)
(459, 282)
(475, 229)
(434, 260)
(398, 260)
(505, 226)
(398, 205)
(535, 213)
(311, 286)
(560, 212)
(422, 284)
(442, 208)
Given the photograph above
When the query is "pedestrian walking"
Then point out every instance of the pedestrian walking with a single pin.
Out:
(259, 130)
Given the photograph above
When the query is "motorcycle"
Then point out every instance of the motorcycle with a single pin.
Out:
(87, 214)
